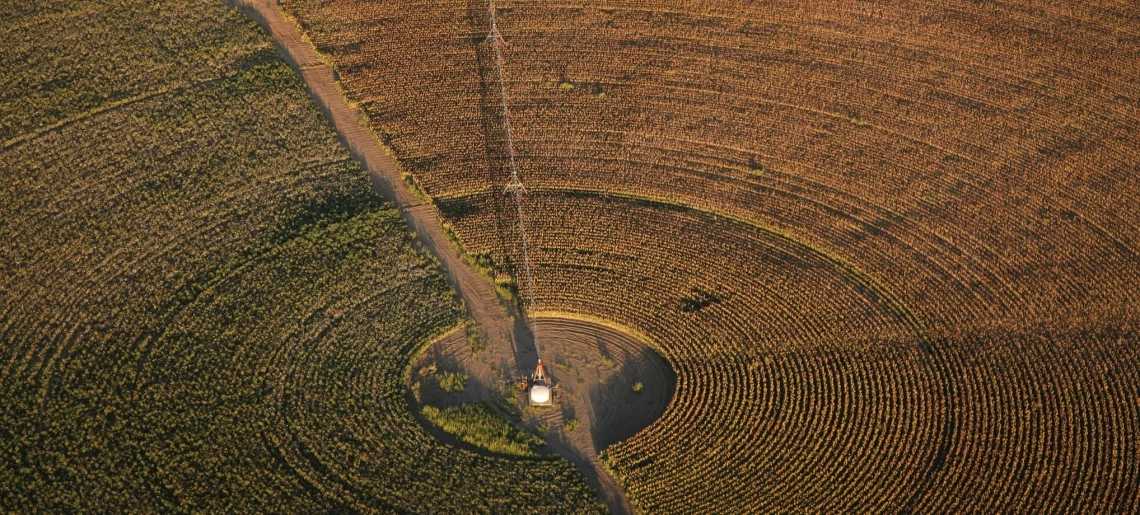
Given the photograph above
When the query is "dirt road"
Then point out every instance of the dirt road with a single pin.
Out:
(478, 294)
(506, 336)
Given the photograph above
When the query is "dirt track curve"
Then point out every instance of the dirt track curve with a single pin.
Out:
(495, 318)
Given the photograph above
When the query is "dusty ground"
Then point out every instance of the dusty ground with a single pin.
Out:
(598, 395)
(594, 369)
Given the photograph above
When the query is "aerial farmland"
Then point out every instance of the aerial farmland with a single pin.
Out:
(520, 256)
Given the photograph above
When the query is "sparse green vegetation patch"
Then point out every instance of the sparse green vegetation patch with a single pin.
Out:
(479, 426)
(452, 381)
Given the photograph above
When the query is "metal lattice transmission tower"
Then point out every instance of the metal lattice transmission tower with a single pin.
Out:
(515, 187)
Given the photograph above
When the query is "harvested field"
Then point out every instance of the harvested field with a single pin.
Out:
(890, 249)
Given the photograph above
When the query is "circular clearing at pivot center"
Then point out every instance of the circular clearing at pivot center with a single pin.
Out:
(606, 384)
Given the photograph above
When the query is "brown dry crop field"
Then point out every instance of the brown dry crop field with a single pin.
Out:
(891, 249)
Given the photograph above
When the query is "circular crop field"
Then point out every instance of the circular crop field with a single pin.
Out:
(887, 247)
(794, 256)
(203, 306)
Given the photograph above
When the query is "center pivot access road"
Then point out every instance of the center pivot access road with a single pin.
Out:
(482, 303)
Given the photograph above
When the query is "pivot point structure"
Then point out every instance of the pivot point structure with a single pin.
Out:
(540, 391)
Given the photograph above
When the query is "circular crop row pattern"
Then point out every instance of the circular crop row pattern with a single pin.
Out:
(203, 307)
(802, 381)
(900, 157)
(889, 247)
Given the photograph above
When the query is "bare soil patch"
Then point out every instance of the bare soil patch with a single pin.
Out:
(595, 369)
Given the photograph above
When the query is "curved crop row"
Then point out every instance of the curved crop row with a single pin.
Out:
(890, 248)
(202, 305)
(846, 127)
(800, 382)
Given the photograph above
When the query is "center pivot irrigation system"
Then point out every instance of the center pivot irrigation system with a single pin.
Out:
(539, 384)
